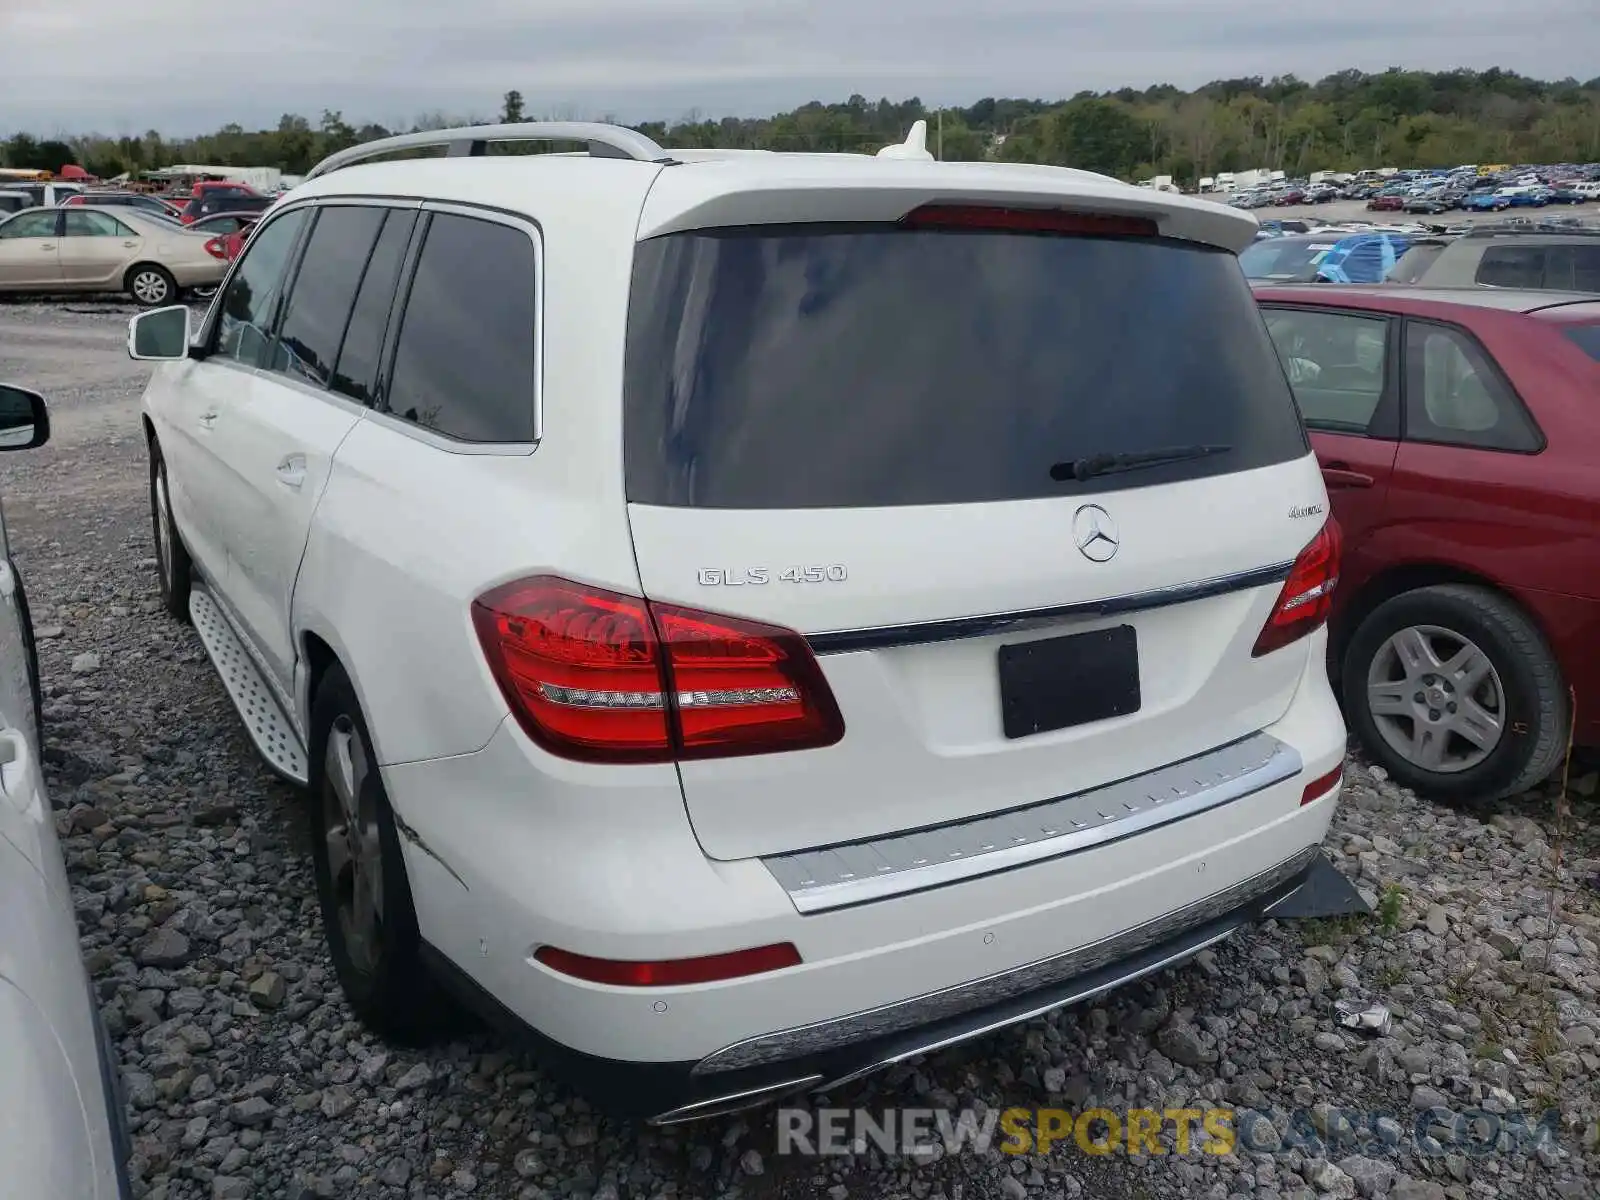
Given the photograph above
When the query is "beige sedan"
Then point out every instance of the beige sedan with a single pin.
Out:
(91, 250)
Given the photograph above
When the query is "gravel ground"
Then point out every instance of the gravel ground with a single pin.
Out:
(248, 1077)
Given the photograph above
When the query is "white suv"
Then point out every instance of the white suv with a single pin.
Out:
(753, 617)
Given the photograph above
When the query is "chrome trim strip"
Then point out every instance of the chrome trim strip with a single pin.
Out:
(921, 633)
(720, 1106)
(927, 1009)
(831, 877)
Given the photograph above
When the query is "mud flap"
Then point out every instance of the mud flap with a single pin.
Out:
(1324, 893)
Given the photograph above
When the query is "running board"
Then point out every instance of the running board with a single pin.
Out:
(268, 725)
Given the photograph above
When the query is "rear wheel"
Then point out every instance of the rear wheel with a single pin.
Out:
(152, 286)
(367, 913)
(172, 560)
(1455, 692)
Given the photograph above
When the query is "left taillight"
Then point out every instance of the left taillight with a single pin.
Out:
(217, 248)
(598, 676)
(1306, 599)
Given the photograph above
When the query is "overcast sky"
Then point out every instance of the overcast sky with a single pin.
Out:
(190, 66)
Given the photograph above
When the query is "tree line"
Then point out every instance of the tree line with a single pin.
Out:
(1345, 121)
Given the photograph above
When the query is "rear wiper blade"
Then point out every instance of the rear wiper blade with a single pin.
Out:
(1110, 464)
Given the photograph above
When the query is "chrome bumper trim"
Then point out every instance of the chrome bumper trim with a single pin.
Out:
(740, 1101)
(861, 872)
(979, 994)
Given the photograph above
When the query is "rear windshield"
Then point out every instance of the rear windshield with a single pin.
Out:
(1284, 259)
(1414, 263)
(811, 366)
(1587, 338)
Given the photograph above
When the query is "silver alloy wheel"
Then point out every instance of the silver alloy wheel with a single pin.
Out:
(1436, 699)
(163, 529)
(355, 859)
(150, 287)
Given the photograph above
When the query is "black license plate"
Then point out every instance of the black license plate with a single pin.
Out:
(1060, 682)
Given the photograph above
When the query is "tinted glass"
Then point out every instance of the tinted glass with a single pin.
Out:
(1573, 268)
(363, 340)
(248, 307)
(1587, 338)
(464, 362)
(30, 225)
(799, 367)
(1455, 395)
(1335, 363)
(324, 289)
(1512, 267)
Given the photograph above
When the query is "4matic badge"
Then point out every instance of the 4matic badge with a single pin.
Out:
(737, 577)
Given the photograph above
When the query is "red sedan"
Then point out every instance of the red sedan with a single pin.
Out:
(1458, 433)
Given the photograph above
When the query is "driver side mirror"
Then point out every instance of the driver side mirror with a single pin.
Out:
(161, 335)
(24, 419)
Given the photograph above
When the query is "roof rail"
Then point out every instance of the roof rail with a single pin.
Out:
(472, 141)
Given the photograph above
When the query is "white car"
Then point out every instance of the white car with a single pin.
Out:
(753, 618)
(64, 1132)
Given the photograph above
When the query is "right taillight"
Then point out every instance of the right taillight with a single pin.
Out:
(599, 676)
(1307, 596)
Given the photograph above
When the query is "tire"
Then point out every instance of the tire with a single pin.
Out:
(151, 286)
(367, 914)
(173, 565)
(1515, 736)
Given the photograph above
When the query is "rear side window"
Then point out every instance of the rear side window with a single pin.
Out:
(464, 362)
(1512, 267)
(318, 307)
(1586, 337)
(811, 367)
(1456, 396)
(357, 371)
(1573, 268)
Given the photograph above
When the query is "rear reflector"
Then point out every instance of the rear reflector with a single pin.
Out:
(673, 972)
(1307, 596)
(598, 676)
(1322, 785)
(1028, 220)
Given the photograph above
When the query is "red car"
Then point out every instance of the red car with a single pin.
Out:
(1458, 433)
(1387, 203)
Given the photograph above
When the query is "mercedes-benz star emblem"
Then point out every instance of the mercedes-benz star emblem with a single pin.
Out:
(1095, 533)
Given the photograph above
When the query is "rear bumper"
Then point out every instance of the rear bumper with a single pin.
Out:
(503, 859)
(827, 1054)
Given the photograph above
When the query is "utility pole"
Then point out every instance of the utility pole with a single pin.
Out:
(939, 141)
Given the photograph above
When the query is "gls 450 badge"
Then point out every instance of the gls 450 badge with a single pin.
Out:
(736, 577)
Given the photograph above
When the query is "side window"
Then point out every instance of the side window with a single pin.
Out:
(1512, 267)
(245, 321)
(357, 372)
(318, 307)
(1336, 363)
(30, 225)
(1454, 394)
(86, 222)
(464, 361)
(1574, 268)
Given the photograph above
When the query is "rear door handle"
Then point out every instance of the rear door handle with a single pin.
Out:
(1340, 475)
(208, 416)
(292, 471)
